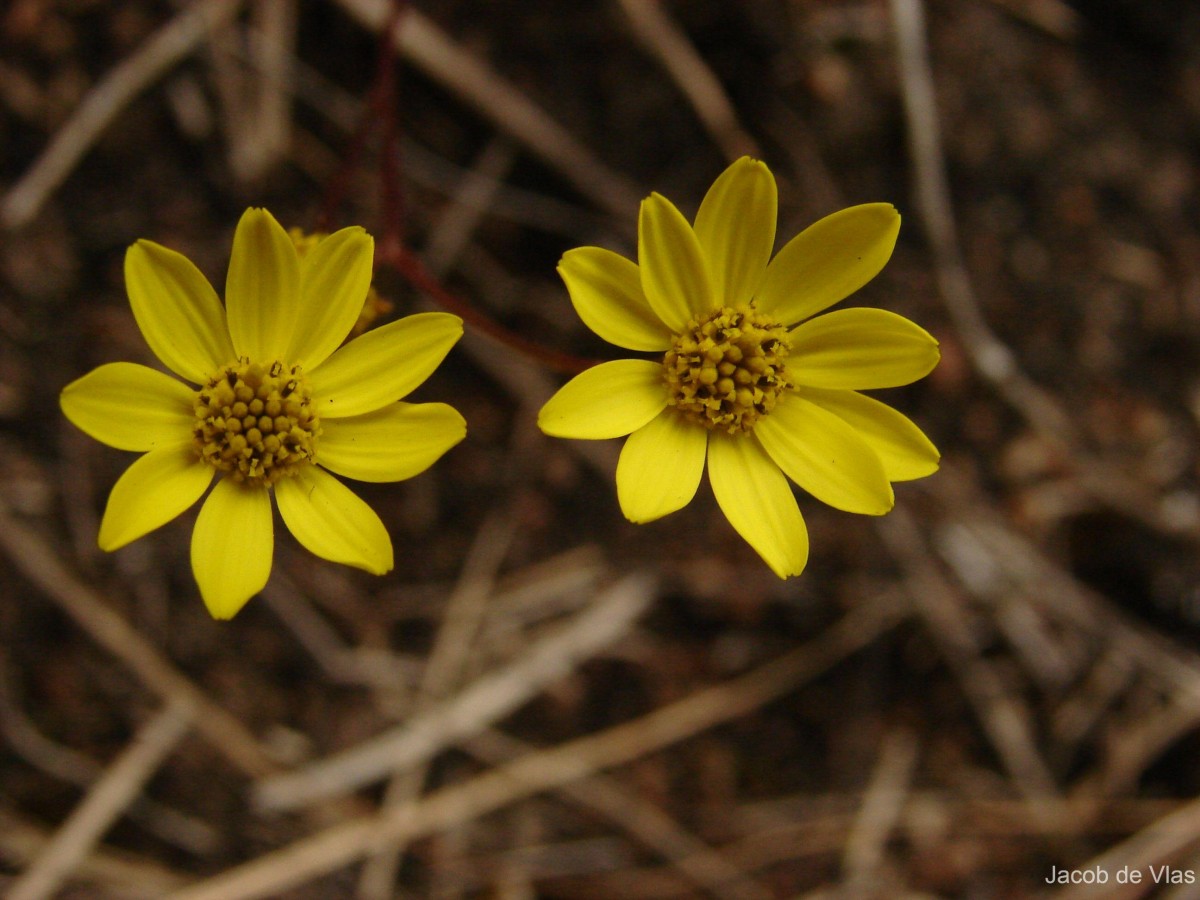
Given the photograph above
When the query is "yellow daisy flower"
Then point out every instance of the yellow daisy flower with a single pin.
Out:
(271, 404)
(739, 383)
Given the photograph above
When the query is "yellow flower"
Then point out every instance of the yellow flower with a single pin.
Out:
(270, 404)
(374, 306)
(739, 383)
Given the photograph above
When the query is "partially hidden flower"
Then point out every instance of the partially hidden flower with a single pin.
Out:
(738, 383)
(269, 403)
(374, 306)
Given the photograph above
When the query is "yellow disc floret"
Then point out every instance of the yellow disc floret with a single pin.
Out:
(256, 423)
(727, 368)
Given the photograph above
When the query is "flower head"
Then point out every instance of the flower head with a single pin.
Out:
(750, 378)
(269, 402)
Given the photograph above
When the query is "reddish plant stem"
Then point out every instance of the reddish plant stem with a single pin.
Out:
(392, 249)
(410, 267)
(380, 109)
(390, 163)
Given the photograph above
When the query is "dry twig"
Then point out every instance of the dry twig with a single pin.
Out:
(474, 708)
(168, 46)
(544, 770)
(1004, 715)
(659, 33)
(31, 556)
(106, 800)
(990, 356)
(445, 668)
(882, 806)
(699, 863)
(430, 49)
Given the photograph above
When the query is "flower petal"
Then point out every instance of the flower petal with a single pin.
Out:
(390, 444)
(383, 365)
(331, 521)
(334, 279)
(232, 546)
(660, 467)
(155, 489)
(177, 310)
(736, 229)
(825, 455)
(860, 349)
(901, 446)
(674, 275)
(610, 400)
(130, 407)
(606, 291)
(262, 288)
(829, 261)
(758, 502)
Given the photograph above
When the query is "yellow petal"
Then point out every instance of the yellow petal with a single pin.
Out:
(155, 489)
(606, 291)
(332, 522)
(390, 444)
(829, 261)
(901, 446)
(383, 365)
(860, 349)
(263, 288)
(825, 456)
(736, 229)
(758, 502)
(606, 401)
(130, 407)
(660, 467)
(334, 278)
(232, 546)
(177, 311)
(674, 275)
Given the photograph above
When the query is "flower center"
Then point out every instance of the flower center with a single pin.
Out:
(256, 423)
(727, 368)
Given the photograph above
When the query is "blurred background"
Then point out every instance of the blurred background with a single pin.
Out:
(993, 687)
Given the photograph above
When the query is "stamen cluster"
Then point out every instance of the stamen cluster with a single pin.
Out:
(256, 423)
(726, 369)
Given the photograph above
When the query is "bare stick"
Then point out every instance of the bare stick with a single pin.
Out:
(444, 670)
(1054, 17)
(374, 667)
(708, 868)
(118, 873)
(169, 45)
(992, 359)
(342, 844)
(66, 764)
(990, 356)
(111, 794)
(430, 49)
(881, 808)
(483, 702)
(1004, 715)
(1160, 842)
(31, 556)
(661, 36)
(473, 198)
(255, 100)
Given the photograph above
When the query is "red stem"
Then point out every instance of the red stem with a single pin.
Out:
(410, 267)
(391, 249)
